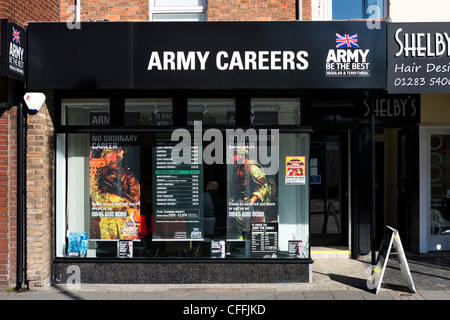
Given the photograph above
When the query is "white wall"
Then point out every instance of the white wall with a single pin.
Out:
(419, 10)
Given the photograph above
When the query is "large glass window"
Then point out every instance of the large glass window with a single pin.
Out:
(148, 112)
(162, 193)
(440, 187)
(78, 112)
(177, 10)
(275, 112)
(357, 9)
(212, 111)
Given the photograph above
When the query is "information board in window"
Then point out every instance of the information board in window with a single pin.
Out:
(177, 194)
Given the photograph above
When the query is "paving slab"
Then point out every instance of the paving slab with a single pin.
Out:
(333, 279)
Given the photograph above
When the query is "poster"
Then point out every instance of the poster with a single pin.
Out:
(78, 243)
(295, 170)
(177, 194)
(125, 249)
(114, 187)
(217, 248)
(296, 249)
(264, 240)
(252, 195)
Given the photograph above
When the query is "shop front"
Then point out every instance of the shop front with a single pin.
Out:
(418, 63)
(191, 152)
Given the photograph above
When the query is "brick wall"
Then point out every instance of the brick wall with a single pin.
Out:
(251, 10)
(8, 208)
(39, 189)
(40, 155)
(99, 10)
(38, 268)
(306, 10)
(217, 10)
(23, 11)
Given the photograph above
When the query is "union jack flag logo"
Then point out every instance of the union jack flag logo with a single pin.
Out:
(347, 40)
(16, 36)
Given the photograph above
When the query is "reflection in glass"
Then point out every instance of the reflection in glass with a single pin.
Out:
(275, 112)
(80, 112)
(211, 111)
(148, 112)
(440, 184)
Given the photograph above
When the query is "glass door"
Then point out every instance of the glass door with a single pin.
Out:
(439, 192)
(328, 176)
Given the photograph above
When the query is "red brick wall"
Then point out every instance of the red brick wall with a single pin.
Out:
(232, 10)
(8, 208)
(113, 10)
(40, 193)
(23, 11)
(251, 10)
(306, 10)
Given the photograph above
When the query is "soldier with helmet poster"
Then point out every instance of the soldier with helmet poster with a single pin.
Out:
(114, 187)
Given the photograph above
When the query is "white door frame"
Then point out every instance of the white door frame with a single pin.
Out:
(428, 242)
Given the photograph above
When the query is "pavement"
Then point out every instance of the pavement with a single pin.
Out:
(333, 279)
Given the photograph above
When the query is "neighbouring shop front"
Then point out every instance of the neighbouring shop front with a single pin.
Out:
(419, 63)
(203, 152)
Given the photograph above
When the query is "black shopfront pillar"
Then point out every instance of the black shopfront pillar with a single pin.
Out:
(361, 190)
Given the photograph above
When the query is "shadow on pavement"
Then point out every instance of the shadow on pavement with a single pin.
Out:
(67, 293)
(350, 281)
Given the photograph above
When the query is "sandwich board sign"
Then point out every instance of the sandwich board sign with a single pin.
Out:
(391, 239)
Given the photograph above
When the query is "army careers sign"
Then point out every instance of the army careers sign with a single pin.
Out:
(208, 55)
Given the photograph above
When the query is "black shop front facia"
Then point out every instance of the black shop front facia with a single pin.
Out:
(418, 57)
(208, 55)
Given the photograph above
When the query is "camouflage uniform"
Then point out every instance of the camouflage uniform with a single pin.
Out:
(116, 187)
(252, 186)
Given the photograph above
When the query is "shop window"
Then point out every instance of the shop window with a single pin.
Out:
(123, 195)
(212, 111)
(93, 112)
(440, 188)
(356, 9)
(148, 112)
(177, 10)
(275, 112)
(98, 192)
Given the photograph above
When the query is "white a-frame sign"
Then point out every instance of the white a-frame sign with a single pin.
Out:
(391, 239)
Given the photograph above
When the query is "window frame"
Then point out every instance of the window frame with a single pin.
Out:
(176, 9)
(328, 9)
(117, 110)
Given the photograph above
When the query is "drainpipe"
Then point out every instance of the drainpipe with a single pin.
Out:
(372, 164)
(20, 199)
(77, 10)
(299, 10)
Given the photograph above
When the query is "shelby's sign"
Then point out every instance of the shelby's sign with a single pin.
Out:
(208, 55)
(419, 58)
(393, 108)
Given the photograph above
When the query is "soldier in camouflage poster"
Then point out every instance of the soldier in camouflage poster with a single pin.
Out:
(114, 187)
(252, 195)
